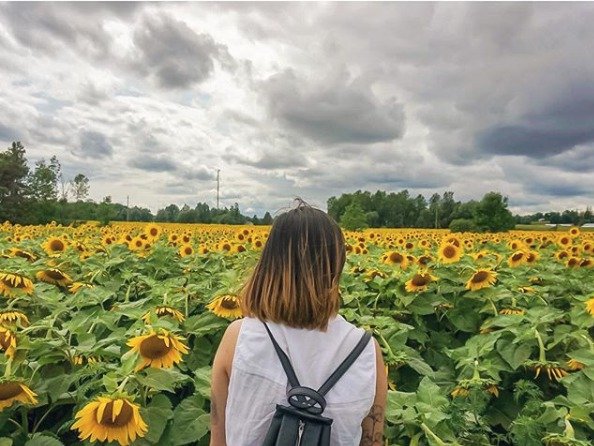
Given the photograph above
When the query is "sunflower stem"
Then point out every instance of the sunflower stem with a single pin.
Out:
(8, 369)
(429, 433)
(165, 298)
(127, 297)
(24, 420)
(123, 384)
(541, 347)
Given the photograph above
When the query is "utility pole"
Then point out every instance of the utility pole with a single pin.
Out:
(218, 170)
(127, 207)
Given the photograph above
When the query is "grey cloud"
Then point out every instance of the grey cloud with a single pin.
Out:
(175, 54)
(269, 160)
(49, 27)
(332, 111)
(8, 133)
(199, 173)
(94, 144)
(565, 122)
(579, 159)
(153, 164)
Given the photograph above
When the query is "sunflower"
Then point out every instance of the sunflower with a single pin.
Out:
(12, 391)
(590, 306)
(110, 418)
(153, 231)
(136, 244)
(13, 317)
(574, 231)
(164, 310)
(16, 252)
(449, 253)
(372, 274)
(77, 286)
(574, 365)
(8, 342)
(573, 262)
(186, 250)
(492, 389)
(11, 284)
(511, 311)
(483, 278)
(395, 258)
(419, 282)
(54, 246)
(460, 392)
(553, 369)
(516, 259)
(564, 240)
(227, 306)
(54, 276)
(158, 349)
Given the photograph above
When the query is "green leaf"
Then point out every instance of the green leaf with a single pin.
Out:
(190, 421)
(514, 354)
(162, 379)
(43, 440)
(156, 415)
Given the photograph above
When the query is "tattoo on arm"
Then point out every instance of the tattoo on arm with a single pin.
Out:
(214, 415)
(373, 427)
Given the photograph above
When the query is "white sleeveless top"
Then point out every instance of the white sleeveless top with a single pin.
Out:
(258, 381)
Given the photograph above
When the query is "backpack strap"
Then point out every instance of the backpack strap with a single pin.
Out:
(343, 367)
(284, 359)
(340, 370)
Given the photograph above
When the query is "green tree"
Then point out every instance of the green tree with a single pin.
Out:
(491, 213)
(43, 182)
(80, 187)
(13, 183)
(353, 218)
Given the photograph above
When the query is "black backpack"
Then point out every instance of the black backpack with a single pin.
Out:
(302, 422)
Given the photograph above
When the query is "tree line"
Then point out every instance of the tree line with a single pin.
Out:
(360, 210)
(42, 194)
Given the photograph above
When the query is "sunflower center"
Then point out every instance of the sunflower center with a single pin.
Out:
(5, 340)
(57, 245)
(424, 260)
(395, 257)
(517, 256)
(55, 275)
(480, 277)
(188, 250)
(154, 347)
(449, 252)
(154, 232)
(122, 419)
(9, 390)
(229, 303)
(420, 280)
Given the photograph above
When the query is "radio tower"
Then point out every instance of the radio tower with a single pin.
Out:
(218, 170)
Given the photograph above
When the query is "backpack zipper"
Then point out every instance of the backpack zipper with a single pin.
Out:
(301, 427)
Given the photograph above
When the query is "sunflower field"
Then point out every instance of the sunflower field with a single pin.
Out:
(107, 334)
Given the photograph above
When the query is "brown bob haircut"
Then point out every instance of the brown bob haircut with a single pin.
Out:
(296, 279)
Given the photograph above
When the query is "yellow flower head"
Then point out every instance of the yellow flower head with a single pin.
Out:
(13, 391)
(11, 284)
(419, 282)
(158, 349)
(483, 278)
(449, 253)
(54, 276)
(227, 306)
(8, 342)
(164, 310)
(110, 419)
(13, 317)
(54, 246)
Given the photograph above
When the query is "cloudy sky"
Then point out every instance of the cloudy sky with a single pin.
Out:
(309, 99)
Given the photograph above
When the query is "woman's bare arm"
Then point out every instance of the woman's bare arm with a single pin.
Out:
(373, 423)
(219, 386)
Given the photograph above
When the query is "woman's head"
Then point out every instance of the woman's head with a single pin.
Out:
(296, 279)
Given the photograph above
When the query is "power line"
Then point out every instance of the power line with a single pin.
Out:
(218, 170)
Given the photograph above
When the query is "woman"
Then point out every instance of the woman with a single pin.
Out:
(294, 289)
